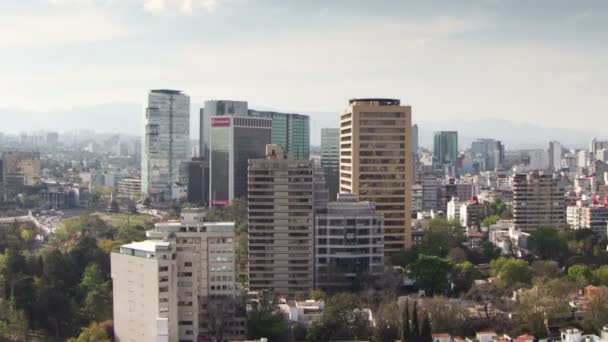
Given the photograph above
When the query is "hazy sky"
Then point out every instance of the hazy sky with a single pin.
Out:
(543, 61)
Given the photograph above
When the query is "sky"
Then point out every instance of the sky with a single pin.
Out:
(540, 61)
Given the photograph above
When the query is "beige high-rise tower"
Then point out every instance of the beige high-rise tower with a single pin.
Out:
(376, 163)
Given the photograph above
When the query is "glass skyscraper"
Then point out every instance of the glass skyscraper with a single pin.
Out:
(292, 131)
(166, 143)
(445, 148)
(233, 141)
(330, 159)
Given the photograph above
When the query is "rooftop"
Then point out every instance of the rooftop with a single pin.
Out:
(166, 91)
(147, 245)
(381, 101)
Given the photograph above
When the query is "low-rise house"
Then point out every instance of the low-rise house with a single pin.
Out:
(442, 337)
(486, 336)
(303, 312)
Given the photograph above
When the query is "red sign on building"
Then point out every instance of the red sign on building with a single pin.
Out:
(221, 121)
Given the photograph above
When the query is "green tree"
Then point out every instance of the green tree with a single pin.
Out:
(601, 275)
(490, 220)
(426, 334)
(596, 314)
(545, 269)
(318, 295)
(511, 271)
(343, 319)
(431, 273)
(415, 326)
(547, 244)
(580, 274)
(265, 321)
(440, 237)
(93, 333)
(463, 276)
(97, 294)
(406, 330)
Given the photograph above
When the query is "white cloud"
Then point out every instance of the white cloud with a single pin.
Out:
(25, 31)
(152, 6)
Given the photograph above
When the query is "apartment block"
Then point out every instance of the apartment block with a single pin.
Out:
(145, 295)
(349, 243)
(281, 223)
(538, 201)
(592, 216)
(202, 279)
(376, 163)
(129, 189)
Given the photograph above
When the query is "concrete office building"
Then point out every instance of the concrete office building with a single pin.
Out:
(490, 151)
(198, 181)
(538, 201)
(555, 156)
(281, 224)
(19, 169)
(216, 108)
(292, 131)
(349, 244)
(201, 275)
(539, 160)
(234, 140)
(472, 213)
(330, 159)
(166, 144)
(445, 149)
(596, 145)
(592, 216)
(129, 189)
(376, 163)
(145, 297)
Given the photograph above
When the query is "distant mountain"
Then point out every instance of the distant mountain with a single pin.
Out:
(127, 118)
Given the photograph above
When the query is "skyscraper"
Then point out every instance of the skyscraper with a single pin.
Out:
(166, 143)
(555, 156)
(376, 163)
(445, 148)
(330, 159)
(415, 140)
(358, 253)
(292, 131)
(169, 284)
(538, 201)
(490, 151)
(216, 108)
(233, 141)
(281, 224)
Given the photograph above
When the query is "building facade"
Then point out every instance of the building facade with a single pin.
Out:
(555, 156)
(445, 149)
(166, 143)
(349, 244)
(376, 163)
(216, 108)
(198, 181)
(330, 159)
(129, 189)
(145, 296)
(200, 280)
(490, 151)
(589, 216)
(281, 224)
(292, 131)
(234, 140)
(538, 201)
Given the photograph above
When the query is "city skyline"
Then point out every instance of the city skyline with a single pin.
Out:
(221, 50)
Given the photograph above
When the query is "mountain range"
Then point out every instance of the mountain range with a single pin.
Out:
(127, 118)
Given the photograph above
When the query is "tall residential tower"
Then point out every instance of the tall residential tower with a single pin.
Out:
(376, 163)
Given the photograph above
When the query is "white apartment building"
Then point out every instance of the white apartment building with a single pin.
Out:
(145, 300)
(202, 279)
